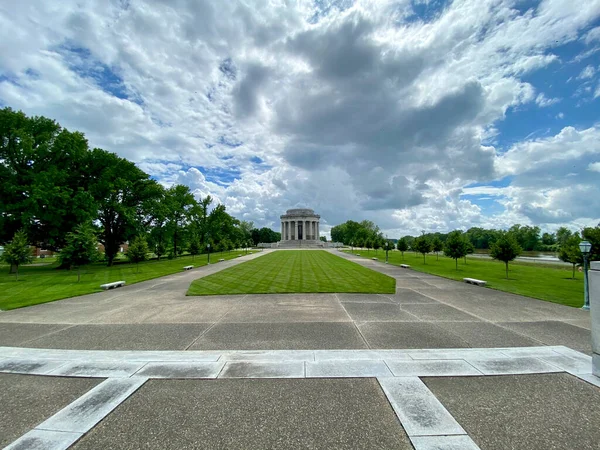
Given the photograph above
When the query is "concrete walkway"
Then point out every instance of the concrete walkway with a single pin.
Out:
(437, 365)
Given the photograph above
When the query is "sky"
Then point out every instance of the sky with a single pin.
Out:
(419, 115)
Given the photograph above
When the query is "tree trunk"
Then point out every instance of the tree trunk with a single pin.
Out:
(17, 272)
(506, 269)
(13, 269)
(573, 271)
(437, 256)
(456, 261)
(423, 258)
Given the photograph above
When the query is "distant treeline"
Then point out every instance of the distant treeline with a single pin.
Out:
(529, 238)
(51, 182)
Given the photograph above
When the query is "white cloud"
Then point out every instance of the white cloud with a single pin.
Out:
(353, 110)
(594, 167)
(586, 73)
(543, 101)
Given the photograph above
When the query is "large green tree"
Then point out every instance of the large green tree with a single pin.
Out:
(45, 176)
(124, 195)
(180, 201)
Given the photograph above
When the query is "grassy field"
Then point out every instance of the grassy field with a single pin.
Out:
(552, 283)
(294, 271)
(44, 283)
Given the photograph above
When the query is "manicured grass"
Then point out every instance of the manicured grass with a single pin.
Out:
(294, 271)
(548, 282)
(41, 284)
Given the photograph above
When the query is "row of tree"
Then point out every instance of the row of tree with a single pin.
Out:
(52, 183)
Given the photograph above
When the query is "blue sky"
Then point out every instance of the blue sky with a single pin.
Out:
(416, 114)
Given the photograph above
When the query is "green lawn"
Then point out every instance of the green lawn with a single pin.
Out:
(294, 271)
(548, 282)
(41, 284)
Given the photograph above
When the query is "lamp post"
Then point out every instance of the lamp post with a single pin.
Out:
(387, 247)
(208, 247)
(585, 247)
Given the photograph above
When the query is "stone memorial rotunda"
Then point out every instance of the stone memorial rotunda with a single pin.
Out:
(300, 228)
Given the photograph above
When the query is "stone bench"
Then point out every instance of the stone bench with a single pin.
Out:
(114, 284)
(188, 267)
(405, 266)
(374, 259)
(474, 281)
(222, 259)
(358, 254)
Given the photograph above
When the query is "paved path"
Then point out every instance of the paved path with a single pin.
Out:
(146, 366)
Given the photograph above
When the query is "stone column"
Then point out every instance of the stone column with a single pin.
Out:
(287, 230)
(318, 236)
(305, 228)
(314, 224)
(594, 290)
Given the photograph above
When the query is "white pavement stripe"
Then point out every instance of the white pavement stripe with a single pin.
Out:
(347, 369)
(419, 411)
(44, 440)
(512, 366)
(181, 370)
(319, 363)
(269, 355)
(592, 379)
(581, 364)
(443, 443)
(445, 368)
(261, 369)
(89, 409)
(29, 366)
(331, 355)
(99, 369)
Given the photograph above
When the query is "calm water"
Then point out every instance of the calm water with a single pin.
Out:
(529, 256)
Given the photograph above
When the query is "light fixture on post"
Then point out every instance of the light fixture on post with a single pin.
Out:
(585, 247)
(208, 247)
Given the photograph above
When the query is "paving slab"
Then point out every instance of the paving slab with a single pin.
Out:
(409, 296)
(263, 369)
(117, 369)
(19, 334)
(420, 413)
(181, 370)
(552, 411)
(486, 334)
(439, 312)
(555, 333)
(363, 298)
(400, 335)
(32, 366)
(123, 337)
(377, 312)
(347, 369)
(510, 366)
(26, 400)
(287, 308)
(243, 414)
(183, 311)
(280, 336)
(431, 368)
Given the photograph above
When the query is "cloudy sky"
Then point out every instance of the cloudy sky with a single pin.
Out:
(417, 114)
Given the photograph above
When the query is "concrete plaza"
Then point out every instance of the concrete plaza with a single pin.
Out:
(439, 364)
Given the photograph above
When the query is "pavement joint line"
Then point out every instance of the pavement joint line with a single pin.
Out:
(352, 321)
(213, 325)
